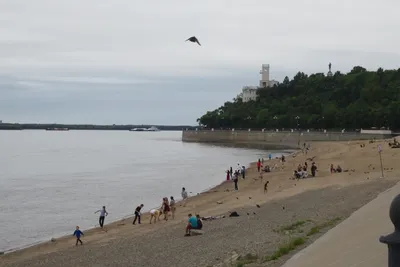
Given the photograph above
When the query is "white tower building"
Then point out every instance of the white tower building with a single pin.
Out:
(249, 93)
(264, 82)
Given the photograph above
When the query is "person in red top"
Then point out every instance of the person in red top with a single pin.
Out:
(259, 165)
(228, 175)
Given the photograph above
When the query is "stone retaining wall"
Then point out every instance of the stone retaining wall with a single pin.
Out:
(274, 139)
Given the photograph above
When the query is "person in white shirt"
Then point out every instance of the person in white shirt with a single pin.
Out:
(184, 195)
(103, 214)
(239, 168)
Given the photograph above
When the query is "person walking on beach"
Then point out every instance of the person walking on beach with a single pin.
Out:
(103, 214)
(78, 233)
(172, 205)
(243, 172)
(258, 165)
(231, 172)
(165, 208)
(235, 180)
(137, 214)
(313, 169)
(184, 195)
(228, 175)
(266, 187)
(270, 156)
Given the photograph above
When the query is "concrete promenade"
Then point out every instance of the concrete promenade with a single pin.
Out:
(355, 241)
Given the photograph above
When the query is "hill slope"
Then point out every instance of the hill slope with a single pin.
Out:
(358, 99)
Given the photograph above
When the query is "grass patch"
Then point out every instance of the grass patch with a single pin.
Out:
(317, 228)
(290, 227)
(248, 258)
(286, 248)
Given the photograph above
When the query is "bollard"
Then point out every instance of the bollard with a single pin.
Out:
(393, 240)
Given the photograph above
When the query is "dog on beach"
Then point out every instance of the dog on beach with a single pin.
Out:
(266, 187)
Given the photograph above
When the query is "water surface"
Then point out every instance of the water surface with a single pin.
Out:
(52, 181)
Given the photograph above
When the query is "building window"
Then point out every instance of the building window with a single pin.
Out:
(264, 84)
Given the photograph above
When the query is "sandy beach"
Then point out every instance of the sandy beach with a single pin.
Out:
(323, 200)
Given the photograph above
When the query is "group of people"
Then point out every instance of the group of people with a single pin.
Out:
(335, 170)
(302, 171)
(167, 207)
(78, 233)
(241, 170)
(194, 223)
(306, 148)
(234, 175)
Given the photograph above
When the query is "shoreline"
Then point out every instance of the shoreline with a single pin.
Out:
(210, 189)
(366, 170)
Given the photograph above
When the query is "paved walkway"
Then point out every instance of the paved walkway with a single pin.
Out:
(355, 241)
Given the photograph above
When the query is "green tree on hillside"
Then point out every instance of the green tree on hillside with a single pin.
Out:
(358, 99)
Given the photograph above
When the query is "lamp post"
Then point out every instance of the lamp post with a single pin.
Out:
(298, 128)
(275, 119)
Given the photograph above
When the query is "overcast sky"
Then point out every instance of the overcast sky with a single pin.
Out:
(127, 62)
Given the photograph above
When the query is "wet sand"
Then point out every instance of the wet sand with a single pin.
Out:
(317, 199)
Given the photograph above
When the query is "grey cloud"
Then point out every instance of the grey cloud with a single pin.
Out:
(126, 60)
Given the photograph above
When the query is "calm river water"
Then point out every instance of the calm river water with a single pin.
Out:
(51, 181)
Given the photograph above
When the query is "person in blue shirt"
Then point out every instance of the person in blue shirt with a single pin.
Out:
(192, 223)
(78, 234)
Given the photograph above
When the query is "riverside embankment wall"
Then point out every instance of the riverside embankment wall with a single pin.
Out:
(271, 139)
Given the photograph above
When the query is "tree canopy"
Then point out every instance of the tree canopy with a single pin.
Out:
(358, 99)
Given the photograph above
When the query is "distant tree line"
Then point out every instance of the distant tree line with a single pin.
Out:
(358, 99)
(17, 126)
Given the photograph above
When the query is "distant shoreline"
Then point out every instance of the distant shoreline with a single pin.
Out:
(113, 127)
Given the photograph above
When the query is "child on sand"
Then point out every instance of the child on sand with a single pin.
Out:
(165, 208)
(266, 187)
(78, 234)
(155, 213)
(172, 205)
(184, 195)
(199, 222)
